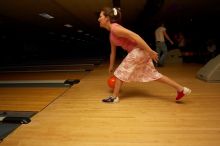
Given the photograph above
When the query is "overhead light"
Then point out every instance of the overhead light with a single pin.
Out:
(68, 25)
(45, 15)
(79, 30)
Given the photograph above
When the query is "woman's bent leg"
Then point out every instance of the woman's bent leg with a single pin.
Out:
(117, 88)
(114, 98)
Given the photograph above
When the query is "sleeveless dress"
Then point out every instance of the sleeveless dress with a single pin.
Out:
(137, 66)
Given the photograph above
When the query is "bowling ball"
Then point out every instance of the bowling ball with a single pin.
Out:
(111, 82)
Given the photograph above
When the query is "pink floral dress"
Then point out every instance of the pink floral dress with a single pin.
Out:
(137, 66)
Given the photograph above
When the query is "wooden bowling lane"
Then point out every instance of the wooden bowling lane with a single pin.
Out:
(147, 114)
(33, 98)
(28, 99)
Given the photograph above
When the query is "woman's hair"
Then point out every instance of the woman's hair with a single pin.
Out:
(114, 14)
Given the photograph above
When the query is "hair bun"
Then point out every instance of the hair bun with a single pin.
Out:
(115, 11)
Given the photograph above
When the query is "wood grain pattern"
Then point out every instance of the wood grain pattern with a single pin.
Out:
(147, 114)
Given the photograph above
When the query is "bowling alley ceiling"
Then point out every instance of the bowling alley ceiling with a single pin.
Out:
(72, 15)
(81, 15)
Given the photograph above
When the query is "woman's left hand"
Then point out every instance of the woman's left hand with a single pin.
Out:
(154, 56)
(110, 70)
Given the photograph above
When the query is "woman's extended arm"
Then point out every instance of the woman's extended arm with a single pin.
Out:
(112, 57)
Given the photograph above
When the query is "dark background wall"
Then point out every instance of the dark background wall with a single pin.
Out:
(27, 38)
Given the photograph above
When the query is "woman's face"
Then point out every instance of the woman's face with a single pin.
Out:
(103, 20)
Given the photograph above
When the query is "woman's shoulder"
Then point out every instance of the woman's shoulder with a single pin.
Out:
(116, 26)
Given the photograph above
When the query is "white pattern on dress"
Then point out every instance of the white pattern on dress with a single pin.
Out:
(137, 66)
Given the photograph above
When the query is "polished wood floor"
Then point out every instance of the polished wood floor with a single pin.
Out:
(147, 114)
(33, 98)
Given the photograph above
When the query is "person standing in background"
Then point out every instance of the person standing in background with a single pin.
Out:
(161, 47)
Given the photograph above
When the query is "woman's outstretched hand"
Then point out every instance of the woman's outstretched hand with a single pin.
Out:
(154, 56)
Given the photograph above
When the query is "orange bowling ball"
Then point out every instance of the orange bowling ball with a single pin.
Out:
(111, 82)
